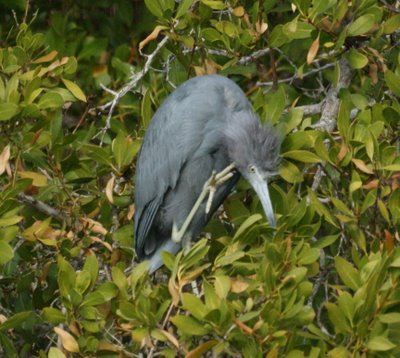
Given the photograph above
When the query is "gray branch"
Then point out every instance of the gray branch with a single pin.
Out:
(296, 76)
(131, 84)
(330, 108)
(42, 207)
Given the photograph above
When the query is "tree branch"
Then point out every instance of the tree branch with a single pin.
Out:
(42, 207)
(131, 84)
(296, 76)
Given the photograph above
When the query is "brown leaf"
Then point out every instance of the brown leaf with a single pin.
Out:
(47, 58)
(174, 291)
(68, 342)
(94, 226)
(261, 27)
(102, 242)
(343, 151)
(238, 11)
(239, 286)
(154, 34)
(246, 329)
(74, 328)
(372, 184)
(4, 158)
(210, 66)
(373, 73)
(201, 349)
(39, 180)
(360, 164)
(170, 337)
(389, 241)
(199, 71)
(107, 346)
(313, 50)
(109, 189)
(131, 212)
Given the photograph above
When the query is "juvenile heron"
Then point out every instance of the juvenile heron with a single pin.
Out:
(205, 126)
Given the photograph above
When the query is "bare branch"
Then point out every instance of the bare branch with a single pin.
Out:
(330, 108)
(245, 60)
(42, 207)
(296, 76)
(311, 109)
(130, 85)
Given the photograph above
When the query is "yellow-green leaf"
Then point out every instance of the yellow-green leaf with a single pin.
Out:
(74, 89)
(361, 25)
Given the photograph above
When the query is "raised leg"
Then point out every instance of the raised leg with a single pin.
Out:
(209, 188)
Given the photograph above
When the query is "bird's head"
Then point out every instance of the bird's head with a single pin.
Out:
(254, 149)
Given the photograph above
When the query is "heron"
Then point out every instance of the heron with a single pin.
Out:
(203, 137)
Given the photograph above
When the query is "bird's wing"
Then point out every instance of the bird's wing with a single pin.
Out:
(169, 142)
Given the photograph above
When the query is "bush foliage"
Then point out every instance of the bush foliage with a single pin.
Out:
(324, 284)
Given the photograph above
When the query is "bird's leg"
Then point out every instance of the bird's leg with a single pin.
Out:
(209, 188)
(217, 180)
(177, 235)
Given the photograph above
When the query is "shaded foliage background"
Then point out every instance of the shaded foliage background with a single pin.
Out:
(79, 84)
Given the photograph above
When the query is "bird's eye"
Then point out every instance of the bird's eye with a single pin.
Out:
(252, 169)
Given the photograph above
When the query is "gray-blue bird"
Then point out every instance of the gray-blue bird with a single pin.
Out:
(205, 125)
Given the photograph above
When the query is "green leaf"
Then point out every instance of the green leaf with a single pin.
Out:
(393, 82)
(247, 224)
(74, 89)
(393, 317)
(392, 167)
(183, 8)
(392, 24)
(188, 325)
(369, 200)
(154, 7)
(346, 305)
(320, 6)
(7, 111)
(325, 241)
(6, 252)
(361, 25)
(302, 156)
(275, 104)
(83, 281)
(348, 274)
(17, 320)
(380, 344)
(356, 59)
(194, 305)
(53, 315)
(51, 100)
(290, 172)
(308, 256)
(341, 206)
(337, 317)
(222, 286)
(55, 353)
(124, 150)
(384, 211)
(214, 4)
(91, 266)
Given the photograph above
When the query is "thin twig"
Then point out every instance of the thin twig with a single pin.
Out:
(296, 76)
(42, 207)
(130, 85)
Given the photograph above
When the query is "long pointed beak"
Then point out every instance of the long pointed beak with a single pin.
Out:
(261, 188)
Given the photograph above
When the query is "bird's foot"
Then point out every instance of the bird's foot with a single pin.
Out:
(216, 180)
(210, 187)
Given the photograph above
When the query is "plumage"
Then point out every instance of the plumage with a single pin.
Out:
(191, 135)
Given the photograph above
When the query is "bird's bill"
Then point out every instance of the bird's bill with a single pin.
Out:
(261, 188)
